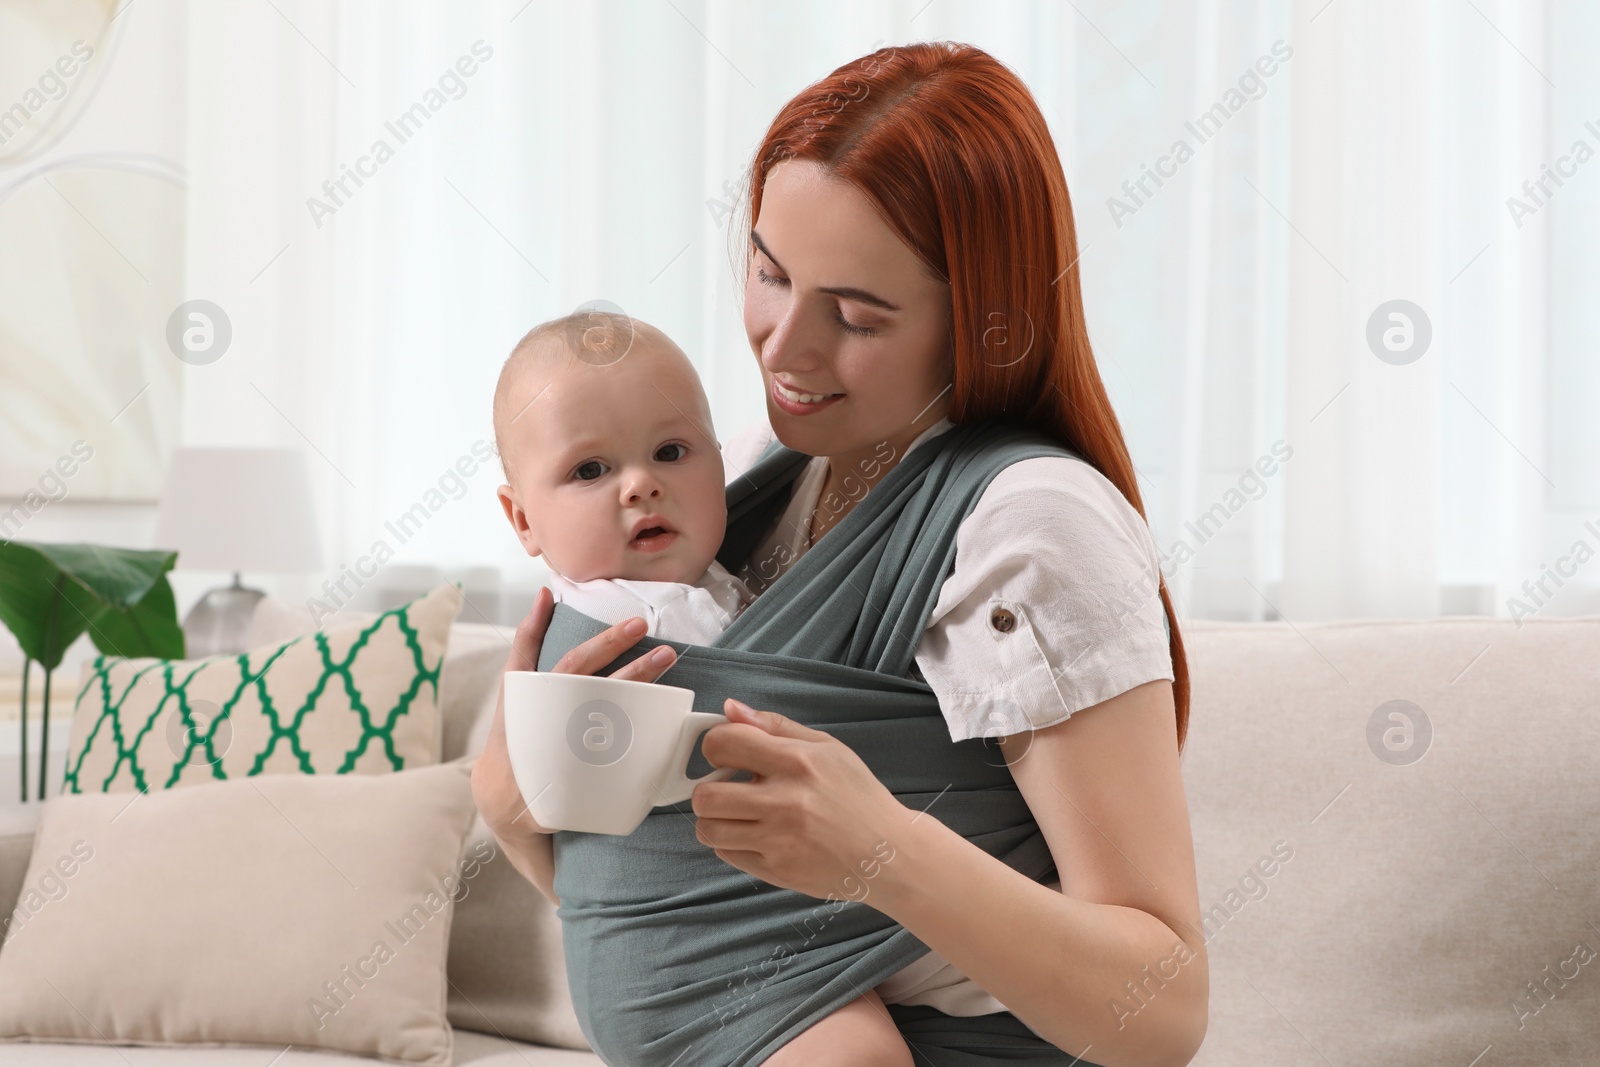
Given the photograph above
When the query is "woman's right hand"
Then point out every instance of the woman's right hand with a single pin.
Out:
(494, 788)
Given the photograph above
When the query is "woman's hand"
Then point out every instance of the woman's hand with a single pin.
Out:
(814, 818)
(494, 788)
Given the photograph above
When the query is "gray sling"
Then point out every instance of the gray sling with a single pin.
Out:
(675, 957)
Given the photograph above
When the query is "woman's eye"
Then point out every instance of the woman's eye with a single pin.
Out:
(585, 466)
(769, 279)
(849, 327)
(682, 451)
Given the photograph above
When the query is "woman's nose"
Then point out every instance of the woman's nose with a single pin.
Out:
(791, 345)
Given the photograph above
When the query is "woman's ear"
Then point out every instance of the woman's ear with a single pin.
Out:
(518, 519)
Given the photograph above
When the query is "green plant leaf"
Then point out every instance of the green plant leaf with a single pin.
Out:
(43, 610)
(50, 594)
(148, 628)
(121, 576)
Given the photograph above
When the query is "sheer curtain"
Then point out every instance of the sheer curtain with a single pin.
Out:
(385, 198)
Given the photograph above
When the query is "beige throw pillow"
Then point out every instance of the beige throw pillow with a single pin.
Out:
(311, 910)
(362, 697)
(507, 969)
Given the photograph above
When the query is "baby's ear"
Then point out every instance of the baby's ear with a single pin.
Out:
(518, 519)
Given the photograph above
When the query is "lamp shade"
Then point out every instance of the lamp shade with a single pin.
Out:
(239, 509)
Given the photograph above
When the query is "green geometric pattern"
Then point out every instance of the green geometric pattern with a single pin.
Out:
(353, 699)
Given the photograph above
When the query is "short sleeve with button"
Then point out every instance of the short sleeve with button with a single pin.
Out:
(1052, 604)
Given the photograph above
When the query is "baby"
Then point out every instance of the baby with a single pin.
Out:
(615, 478)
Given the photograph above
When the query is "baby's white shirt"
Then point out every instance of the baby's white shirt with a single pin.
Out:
(673, 611)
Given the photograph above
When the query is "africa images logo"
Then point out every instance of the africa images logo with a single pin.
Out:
(599, 732)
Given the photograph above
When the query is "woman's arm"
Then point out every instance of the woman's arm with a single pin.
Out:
(1113, 967)
(494, 788)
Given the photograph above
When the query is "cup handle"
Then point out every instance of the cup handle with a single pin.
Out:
(677, 785)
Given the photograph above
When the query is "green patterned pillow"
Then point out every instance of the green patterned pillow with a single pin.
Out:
(361, 698)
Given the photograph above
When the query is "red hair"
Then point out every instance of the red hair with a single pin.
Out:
(953, 151)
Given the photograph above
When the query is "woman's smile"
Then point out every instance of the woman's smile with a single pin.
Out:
(792, 403)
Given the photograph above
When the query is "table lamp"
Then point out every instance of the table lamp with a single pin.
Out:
(235, 509)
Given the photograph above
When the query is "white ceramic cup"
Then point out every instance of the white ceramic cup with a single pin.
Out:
(595, 754)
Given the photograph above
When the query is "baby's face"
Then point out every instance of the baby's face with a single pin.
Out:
(604, 454)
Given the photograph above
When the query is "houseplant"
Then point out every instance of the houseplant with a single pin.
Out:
(52, 593)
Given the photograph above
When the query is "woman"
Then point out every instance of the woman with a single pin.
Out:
(911, 266)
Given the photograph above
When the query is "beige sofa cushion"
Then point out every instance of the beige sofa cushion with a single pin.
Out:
(508, 972)
(1428, 909)
(311, 910)
(507, 968)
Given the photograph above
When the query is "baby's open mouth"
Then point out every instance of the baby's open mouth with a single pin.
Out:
(653, 536)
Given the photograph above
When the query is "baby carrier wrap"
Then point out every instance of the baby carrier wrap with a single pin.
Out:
(674, 956)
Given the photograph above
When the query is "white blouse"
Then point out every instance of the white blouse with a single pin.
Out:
(1052, 602)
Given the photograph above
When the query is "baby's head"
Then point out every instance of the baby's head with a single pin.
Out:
(605, 434)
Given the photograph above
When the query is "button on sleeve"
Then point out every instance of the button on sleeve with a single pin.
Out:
(1052, 604)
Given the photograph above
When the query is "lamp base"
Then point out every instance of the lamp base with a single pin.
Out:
(219, 622)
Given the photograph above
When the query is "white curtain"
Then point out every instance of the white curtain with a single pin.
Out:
(589, 154)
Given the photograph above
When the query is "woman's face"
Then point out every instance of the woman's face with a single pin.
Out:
(836, 303)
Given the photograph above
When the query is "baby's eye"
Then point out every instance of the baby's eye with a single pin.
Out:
(585, 466)
(682, 451)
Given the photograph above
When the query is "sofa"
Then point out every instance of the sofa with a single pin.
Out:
(1394, 826)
